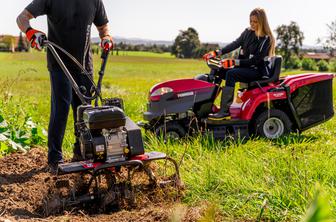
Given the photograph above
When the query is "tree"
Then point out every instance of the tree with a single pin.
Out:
(186, 44)
(329, 43)
(289, 39)
(22, 44)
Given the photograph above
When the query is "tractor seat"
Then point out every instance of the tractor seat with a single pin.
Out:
(275, 63)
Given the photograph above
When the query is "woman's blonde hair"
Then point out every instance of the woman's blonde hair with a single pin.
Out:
(264, 28)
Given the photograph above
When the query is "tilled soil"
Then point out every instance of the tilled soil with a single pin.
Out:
(26, 186)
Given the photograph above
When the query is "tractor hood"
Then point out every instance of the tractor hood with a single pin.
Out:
(179, 88)
(177, 96)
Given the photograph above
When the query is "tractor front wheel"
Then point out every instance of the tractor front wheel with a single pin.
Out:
(272, 124)
(170, 130)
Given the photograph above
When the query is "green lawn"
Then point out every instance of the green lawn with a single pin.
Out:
(276, 180)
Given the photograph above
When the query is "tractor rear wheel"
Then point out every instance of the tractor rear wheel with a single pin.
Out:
(272, 124)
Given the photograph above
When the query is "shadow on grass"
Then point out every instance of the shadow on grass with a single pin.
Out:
(294, 138)
(203, 139)
(207, 141)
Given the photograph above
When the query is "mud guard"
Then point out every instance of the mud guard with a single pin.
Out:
(84, 166)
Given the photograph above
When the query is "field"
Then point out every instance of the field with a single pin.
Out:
(259, 180)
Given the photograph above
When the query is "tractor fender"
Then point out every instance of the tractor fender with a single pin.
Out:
(251, 104)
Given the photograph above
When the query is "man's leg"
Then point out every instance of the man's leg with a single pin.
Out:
(76, 147)
(60, 103)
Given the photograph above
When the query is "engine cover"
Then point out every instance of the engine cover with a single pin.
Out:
(116, 144)
(104, 118)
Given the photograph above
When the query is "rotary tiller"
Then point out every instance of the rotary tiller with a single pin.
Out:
(112, 150)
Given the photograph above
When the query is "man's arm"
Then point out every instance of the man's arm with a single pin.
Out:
(103, 31)
(106, 39)
(23, 20)
(35, 37)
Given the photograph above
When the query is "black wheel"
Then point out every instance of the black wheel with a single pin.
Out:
(170, 130)
(272, 124)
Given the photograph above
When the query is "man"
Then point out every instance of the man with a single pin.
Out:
(69, 26)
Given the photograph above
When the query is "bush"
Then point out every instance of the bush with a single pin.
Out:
(309, 64)
(322, 66)
(332, 65)
(293, 63)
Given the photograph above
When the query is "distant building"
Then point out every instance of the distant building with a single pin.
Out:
(317, 56)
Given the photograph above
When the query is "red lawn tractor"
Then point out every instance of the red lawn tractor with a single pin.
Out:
(269, 108)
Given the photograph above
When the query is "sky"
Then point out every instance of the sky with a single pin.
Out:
(215, 21)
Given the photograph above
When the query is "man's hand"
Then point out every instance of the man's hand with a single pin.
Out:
(35, 38)
(228, 63)
(106, 43)
(209, 55)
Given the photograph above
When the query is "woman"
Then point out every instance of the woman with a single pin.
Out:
(256, 42)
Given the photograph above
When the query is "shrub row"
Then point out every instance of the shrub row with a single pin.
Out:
(310, 64)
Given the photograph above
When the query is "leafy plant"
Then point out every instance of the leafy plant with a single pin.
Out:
(14, 138)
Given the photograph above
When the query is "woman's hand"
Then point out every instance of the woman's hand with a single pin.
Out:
(209, 55)
(228, 63)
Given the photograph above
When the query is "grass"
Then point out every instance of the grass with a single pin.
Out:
(257, 179)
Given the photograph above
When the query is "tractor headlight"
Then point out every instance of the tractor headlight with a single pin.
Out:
(161, 91)
(156, 95)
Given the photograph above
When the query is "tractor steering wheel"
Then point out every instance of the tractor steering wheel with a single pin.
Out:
(215, 63)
